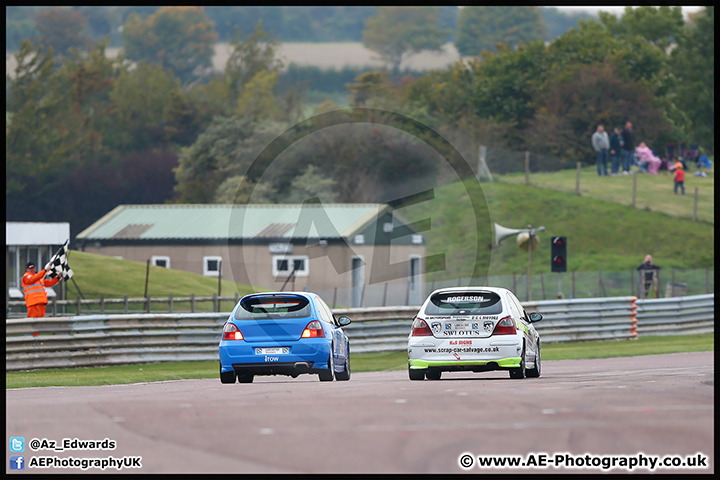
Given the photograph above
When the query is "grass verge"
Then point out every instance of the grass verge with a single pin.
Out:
(361, 362)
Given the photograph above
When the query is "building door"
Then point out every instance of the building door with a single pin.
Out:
(358, 280)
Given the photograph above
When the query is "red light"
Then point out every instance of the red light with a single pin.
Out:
(313, 330)
(420, 328)
(559, 260)
(505, 326)
(231, 332)
(559, 242)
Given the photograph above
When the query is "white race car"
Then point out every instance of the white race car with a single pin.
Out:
(476, 329)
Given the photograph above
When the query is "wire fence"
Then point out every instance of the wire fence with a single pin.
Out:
(502, 161)
(569, 285)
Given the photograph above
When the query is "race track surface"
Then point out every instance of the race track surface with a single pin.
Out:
(578, 410)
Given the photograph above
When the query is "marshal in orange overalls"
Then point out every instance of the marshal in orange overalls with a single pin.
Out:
(33, 288)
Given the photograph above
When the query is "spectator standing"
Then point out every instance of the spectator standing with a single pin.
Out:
(33, 286)
(648, 276)
(616, 144)
(628, 148)
(601, 145)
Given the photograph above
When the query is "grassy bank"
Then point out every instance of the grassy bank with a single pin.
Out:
(602, 234)
(99, 275)
(652, 192)
(367, 362)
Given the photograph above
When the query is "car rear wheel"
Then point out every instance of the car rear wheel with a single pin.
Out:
(245, 378)
(535, 372)
(227, 377)
(329, 375)
(416, 373)
(519, 373)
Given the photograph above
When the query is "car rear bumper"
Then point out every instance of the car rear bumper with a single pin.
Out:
(284, 368)
(465, 354)
(474, 365)
(306, 356)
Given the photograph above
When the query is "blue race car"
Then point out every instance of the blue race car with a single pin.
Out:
(283, 333)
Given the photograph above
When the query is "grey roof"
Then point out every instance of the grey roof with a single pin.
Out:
(200, 222)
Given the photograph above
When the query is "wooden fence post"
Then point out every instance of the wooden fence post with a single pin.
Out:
(577, 179)
(527, 167)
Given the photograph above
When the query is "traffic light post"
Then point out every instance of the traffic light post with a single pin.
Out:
(558, 258)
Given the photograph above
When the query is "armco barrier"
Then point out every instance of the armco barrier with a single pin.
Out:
(99, 340)
(676, 315)
(584, 319)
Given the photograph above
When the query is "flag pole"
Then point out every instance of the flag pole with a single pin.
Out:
(77, 288)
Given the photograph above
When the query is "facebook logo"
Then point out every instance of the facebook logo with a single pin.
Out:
(17, 462)
(17, 444)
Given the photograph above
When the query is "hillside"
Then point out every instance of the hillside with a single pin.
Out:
(602, 235)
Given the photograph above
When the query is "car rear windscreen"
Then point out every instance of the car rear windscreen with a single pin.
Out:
(273, 307)
(464, 303)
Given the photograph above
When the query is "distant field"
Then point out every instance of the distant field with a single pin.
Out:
(326, 55)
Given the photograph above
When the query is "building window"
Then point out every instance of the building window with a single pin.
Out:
(283, 265)
(211, 266)
(160, 261)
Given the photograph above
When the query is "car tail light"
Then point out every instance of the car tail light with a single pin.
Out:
(313, 330)
(505, 326)
(231, 332)
(420, 328)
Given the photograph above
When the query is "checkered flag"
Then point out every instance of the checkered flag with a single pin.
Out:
(58, 266)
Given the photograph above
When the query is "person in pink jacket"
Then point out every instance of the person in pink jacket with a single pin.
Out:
(645, 155)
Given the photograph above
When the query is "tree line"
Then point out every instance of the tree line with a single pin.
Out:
(86, 132)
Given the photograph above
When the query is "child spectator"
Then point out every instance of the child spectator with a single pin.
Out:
(679, 176)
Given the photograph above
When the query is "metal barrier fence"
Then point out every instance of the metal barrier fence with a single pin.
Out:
(679, 315)
(100, 340)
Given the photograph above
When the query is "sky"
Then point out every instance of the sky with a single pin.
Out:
(619, 10)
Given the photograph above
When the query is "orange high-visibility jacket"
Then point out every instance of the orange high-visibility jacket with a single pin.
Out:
(33, 287)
